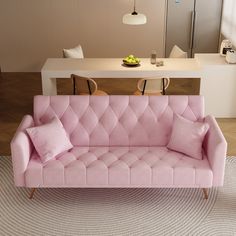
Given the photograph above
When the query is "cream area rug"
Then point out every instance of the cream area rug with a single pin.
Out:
(117, 211)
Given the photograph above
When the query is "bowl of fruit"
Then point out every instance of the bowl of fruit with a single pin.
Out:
(131, 60)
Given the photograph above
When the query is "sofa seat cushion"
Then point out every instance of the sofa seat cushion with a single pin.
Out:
(119, 167)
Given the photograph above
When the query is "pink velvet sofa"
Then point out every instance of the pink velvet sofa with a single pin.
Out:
(119, 142)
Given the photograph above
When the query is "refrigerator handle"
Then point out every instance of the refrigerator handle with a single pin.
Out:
(192, 31)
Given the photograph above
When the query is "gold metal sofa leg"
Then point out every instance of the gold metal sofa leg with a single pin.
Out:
(32, 193)
(205, 192)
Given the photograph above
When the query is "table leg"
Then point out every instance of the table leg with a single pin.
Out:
(49, 85)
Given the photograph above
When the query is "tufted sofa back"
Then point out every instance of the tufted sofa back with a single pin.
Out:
(117, 120)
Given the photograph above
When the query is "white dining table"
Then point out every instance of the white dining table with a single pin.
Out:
(113, 68)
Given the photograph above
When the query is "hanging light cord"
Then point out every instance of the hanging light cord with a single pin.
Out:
(134, 12)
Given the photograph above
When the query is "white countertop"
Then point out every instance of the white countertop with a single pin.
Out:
(112, 67)
(211, 59)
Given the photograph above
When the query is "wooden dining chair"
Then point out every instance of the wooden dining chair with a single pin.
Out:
(152, 86)
(84, 86)
(75, 53)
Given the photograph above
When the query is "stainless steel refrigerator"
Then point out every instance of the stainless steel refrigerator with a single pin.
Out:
(193, 25)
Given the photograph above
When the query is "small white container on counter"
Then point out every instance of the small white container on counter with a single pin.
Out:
(231, 57)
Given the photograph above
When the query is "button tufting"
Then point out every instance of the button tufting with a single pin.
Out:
(129, 163)
(117, 120)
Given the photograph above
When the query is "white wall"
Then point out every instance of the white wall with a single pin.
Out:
(33, 30)
(228, 28)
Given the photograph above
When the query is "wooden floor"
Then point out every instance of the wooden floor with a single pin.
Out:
(17, 91)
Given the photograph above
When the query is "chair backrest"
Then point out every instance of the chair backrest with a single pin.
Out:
(177, 52)
(76, 52)
(153, 85)
(84, 85)
(117, 120)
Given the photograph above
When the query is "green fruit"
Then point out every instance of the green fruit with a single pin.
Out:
(131, 59)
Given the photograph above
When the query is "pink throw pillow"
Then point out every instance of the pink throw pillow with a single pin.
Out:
(49, 139)
(187, 137)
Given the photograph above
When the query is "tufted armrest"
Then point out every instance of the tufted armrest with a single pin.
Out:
(215, 147)
(21, 149)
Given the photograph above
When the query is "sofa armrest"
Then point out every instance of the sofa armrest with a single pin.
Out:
(215, 147)
(21, 149)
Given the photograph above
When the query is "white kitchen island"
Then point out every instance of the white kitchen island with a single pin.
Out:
(218, 85)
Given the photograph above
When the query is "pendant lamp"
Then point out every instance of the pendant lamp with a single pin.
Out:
(134, 18)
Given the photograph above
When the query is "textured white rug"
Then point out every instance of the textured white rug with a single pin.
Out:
(117, 211)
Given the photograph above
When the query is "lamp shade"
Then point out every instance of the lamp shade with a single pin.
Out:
(134, 19)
